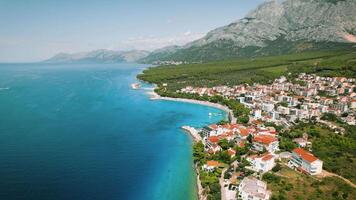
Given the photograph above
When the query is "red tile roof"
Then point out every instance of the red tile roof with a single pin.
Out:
(214, 126)
(227, 126)
(267, 157)
(305, 155)
(231, 152)
(243, 132)
(264, 139)
(214, 139)
(212, 163)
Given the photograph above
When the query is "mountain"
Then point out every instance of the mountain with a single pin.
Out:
(99, 56)
(273, 28)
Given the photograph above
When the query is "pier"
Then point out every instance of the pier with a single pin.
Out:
(193, 132)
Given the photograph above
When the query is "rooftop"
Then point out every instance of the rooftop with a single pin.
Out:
(305, 155)
(264, 139)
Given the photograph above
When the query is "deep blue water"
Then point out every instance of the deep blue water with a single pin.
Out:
(81, 132)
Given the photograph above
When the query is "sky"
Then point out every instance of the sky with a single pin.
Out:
(34, 30)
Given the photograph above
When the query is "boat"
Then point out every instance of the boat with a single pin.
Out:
(135, 86)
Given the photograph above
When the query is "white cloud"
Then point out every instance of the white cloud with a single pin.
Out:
(153, 42)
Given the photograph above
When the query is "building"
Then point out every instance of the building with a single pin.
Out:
(211, 144)
(262, 163)
(268, 142)
(305, 161)
(251, 188)
(211, 165)
(231, 152)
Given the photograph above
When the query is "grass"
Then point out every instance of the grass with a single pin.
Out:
(291, 185)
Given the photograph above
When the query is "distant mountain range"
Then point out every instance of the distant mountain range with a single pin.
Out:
(273, 28)
(99, 56)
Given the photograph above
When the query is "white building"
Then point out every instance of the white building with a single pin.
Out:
(268, 107)
(305, 161)
(210, 165)
(257, 114)
(269, 142)
(263, 163)
(251, 188)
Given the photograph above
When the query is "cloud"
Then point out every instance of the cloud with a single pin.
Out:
(153, 42)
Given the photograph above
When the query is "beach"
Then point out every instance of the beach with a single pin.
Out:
(155, 96)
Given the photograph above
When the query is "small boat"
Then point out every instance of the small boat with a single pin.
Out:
(210, 114)
(135, 86)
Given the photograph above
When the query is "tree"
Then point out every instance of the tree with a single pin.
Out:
(198, 153)
(224, 144)
(222, 122)
(287, 144)
(244, 119)
(277, 167)
(249, 138)
(224, 157)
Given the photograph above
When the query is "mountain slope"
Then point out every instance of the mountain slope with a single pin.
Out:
(99, 56)
(274, 28)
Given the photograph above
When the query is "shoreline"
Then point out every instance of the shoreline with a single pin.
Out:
(228, 111)
(196, 138)
(192, 131)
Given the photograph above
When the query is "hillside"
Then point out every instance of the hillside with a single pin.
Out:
(249, 70)
(99, 56)
(273, 28)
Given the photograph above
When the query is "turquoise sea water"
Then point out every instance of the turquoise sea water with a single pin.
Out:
(81, 132)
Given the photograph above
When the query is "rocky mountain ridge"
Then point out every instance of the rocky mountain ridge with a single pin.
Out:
(274, 27)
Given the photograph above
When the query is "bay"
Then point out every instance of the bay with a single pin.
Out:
(79, 131)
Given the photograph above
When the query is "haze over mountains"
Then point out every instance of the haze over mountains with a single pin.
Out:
(99, 56)
(273, 28)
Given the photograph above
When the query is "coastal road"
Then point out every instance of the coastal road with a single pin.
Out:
(222, 183)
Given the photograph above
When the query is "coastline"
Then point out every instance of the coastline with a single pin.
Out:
(196, 138)
(228, 111)
(193, 132)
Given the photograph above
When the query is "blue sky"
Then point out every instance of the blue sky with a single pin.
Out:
(32, 30)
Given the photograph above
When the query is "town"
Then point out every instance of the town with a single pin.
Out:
(234, 160)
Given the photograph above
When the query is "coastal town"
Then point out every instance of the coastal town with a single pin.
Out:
(245, 159)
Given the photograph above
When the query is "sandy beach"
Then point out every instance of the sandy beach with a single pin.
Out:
(155, 96)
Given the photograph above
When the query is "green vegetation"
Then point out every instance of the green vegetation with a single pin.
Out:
(226, 49)
(239, 110)
(209, 181)
(291, 185)
(338, 152)
(250, 70)
(331, 117)
(334, 1)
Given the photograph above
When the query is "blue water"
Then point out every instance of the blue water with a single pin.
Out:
(81, 132)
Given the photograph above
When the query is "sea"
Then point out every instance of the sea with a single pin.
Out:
(79, 131)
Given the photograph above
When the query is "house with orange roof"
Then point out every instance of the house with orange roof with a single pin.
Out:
(231, 152)
(211, 144)
(305, 161)
(242, 133)
(261, 163)
(210, 165)
(268, 142)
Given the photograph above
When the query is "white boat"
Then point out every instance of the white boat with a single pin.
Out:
(135, 86)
